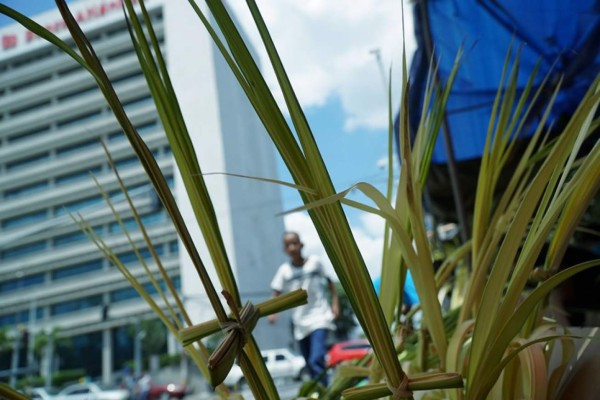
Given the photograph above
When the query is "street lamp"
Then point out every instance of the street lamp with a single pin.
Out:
(137, 349)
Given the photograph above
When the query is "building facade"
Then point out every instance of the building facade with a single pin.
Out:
(52, 117)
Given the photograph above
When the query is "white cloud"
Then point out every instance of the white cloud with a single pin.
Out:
(368, 233)
(382, 162)
(327, 49)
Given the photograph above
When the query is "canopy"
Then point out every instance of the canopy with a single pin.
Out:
(562, 36)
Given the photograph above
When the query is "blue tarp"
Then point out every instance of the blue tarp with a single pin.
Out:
(409, 297)
(563, 35)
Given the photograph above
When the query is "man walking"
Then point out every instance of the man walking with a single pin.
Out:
(312, 320)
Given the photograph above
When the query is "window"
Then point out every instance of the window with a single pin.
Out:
(130, 256)
(123, 294)
(176, 282)
(90, 116)
(25, 190)
(131, 224)
(75, 305)
(33, 58)
(127, 78)
(77, 176)
(68, 238)
(174, 247)
(15, 318)
(69, 150)
(153, 218)
(78, 269)
(120, 54)
(125, 162)
(77, 205)
(116, 31)
(130, 293)
(170, 181)
(23, 250)
(147, 127)
(30, 83)
(116, 136)
(78, 93)
(70, 70)
(28, 134)
(26, 162)
(23, 282)
(139, 102)
(24, 219)
(133, 190)
(29, 108)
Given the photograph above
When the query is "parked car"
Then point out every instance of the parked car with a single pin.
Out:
(168, 391)
(281, 363)
(42, 393)
(348, 350)
(92, 391)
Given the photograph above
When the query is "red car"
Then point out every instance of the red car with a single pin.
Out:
(348, 350)
(169, 391)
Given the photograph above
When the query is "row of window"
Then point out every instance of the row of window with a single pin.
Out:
(74, 206)
(94, 38)
(84, 268)
(36, 58)
(70, 149)
(70, 306)
(72, 95)
(151, 219)
(130, 293)
(26, 281)
(75, 176)
(21, 317)
(68, 96)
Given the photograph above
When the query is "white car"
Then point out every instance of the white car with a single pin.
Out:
(92, 391)
(42, 393)
(281, 363)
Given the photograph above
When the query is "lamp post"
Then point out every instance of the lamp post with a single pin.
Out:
(15, 360)
(137, 349)
(31, 364)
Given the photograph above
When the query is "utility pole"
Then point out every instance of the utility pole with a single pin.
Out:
(377, 53)
(137, 348)
(31, 364)
(15, 361)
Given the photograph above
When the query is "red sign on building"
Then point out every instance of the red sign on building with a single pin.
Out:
(8, 41)
(90, 12)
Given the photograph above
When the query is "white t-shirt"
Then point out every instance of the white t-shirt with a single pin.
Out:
(316, 314)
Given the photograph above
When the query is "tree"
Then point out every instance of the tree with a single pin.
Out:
(346, 321)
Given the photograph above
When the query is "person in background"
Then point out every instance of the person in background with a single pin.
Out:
(311, 321)
(128, 381)
(144, 384)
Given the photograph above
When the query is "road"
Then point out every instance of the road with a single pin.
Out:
(288, 389)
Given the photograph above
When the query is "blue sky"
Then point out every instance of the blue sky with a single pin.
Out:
(327, 48)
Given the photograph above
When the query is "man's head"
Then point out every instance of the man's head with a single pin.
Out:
(292, 245)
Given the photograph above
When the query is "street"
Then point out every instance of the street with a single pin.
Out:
(288, 388)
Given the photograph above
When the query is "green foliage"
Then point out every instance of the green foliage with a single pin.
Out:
(30, 381)
(5, 342)
(169, 360)
(155, 336)
(67, 376)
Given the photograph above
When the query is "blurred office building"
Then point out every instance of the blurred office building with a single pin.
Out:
(54, 282)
